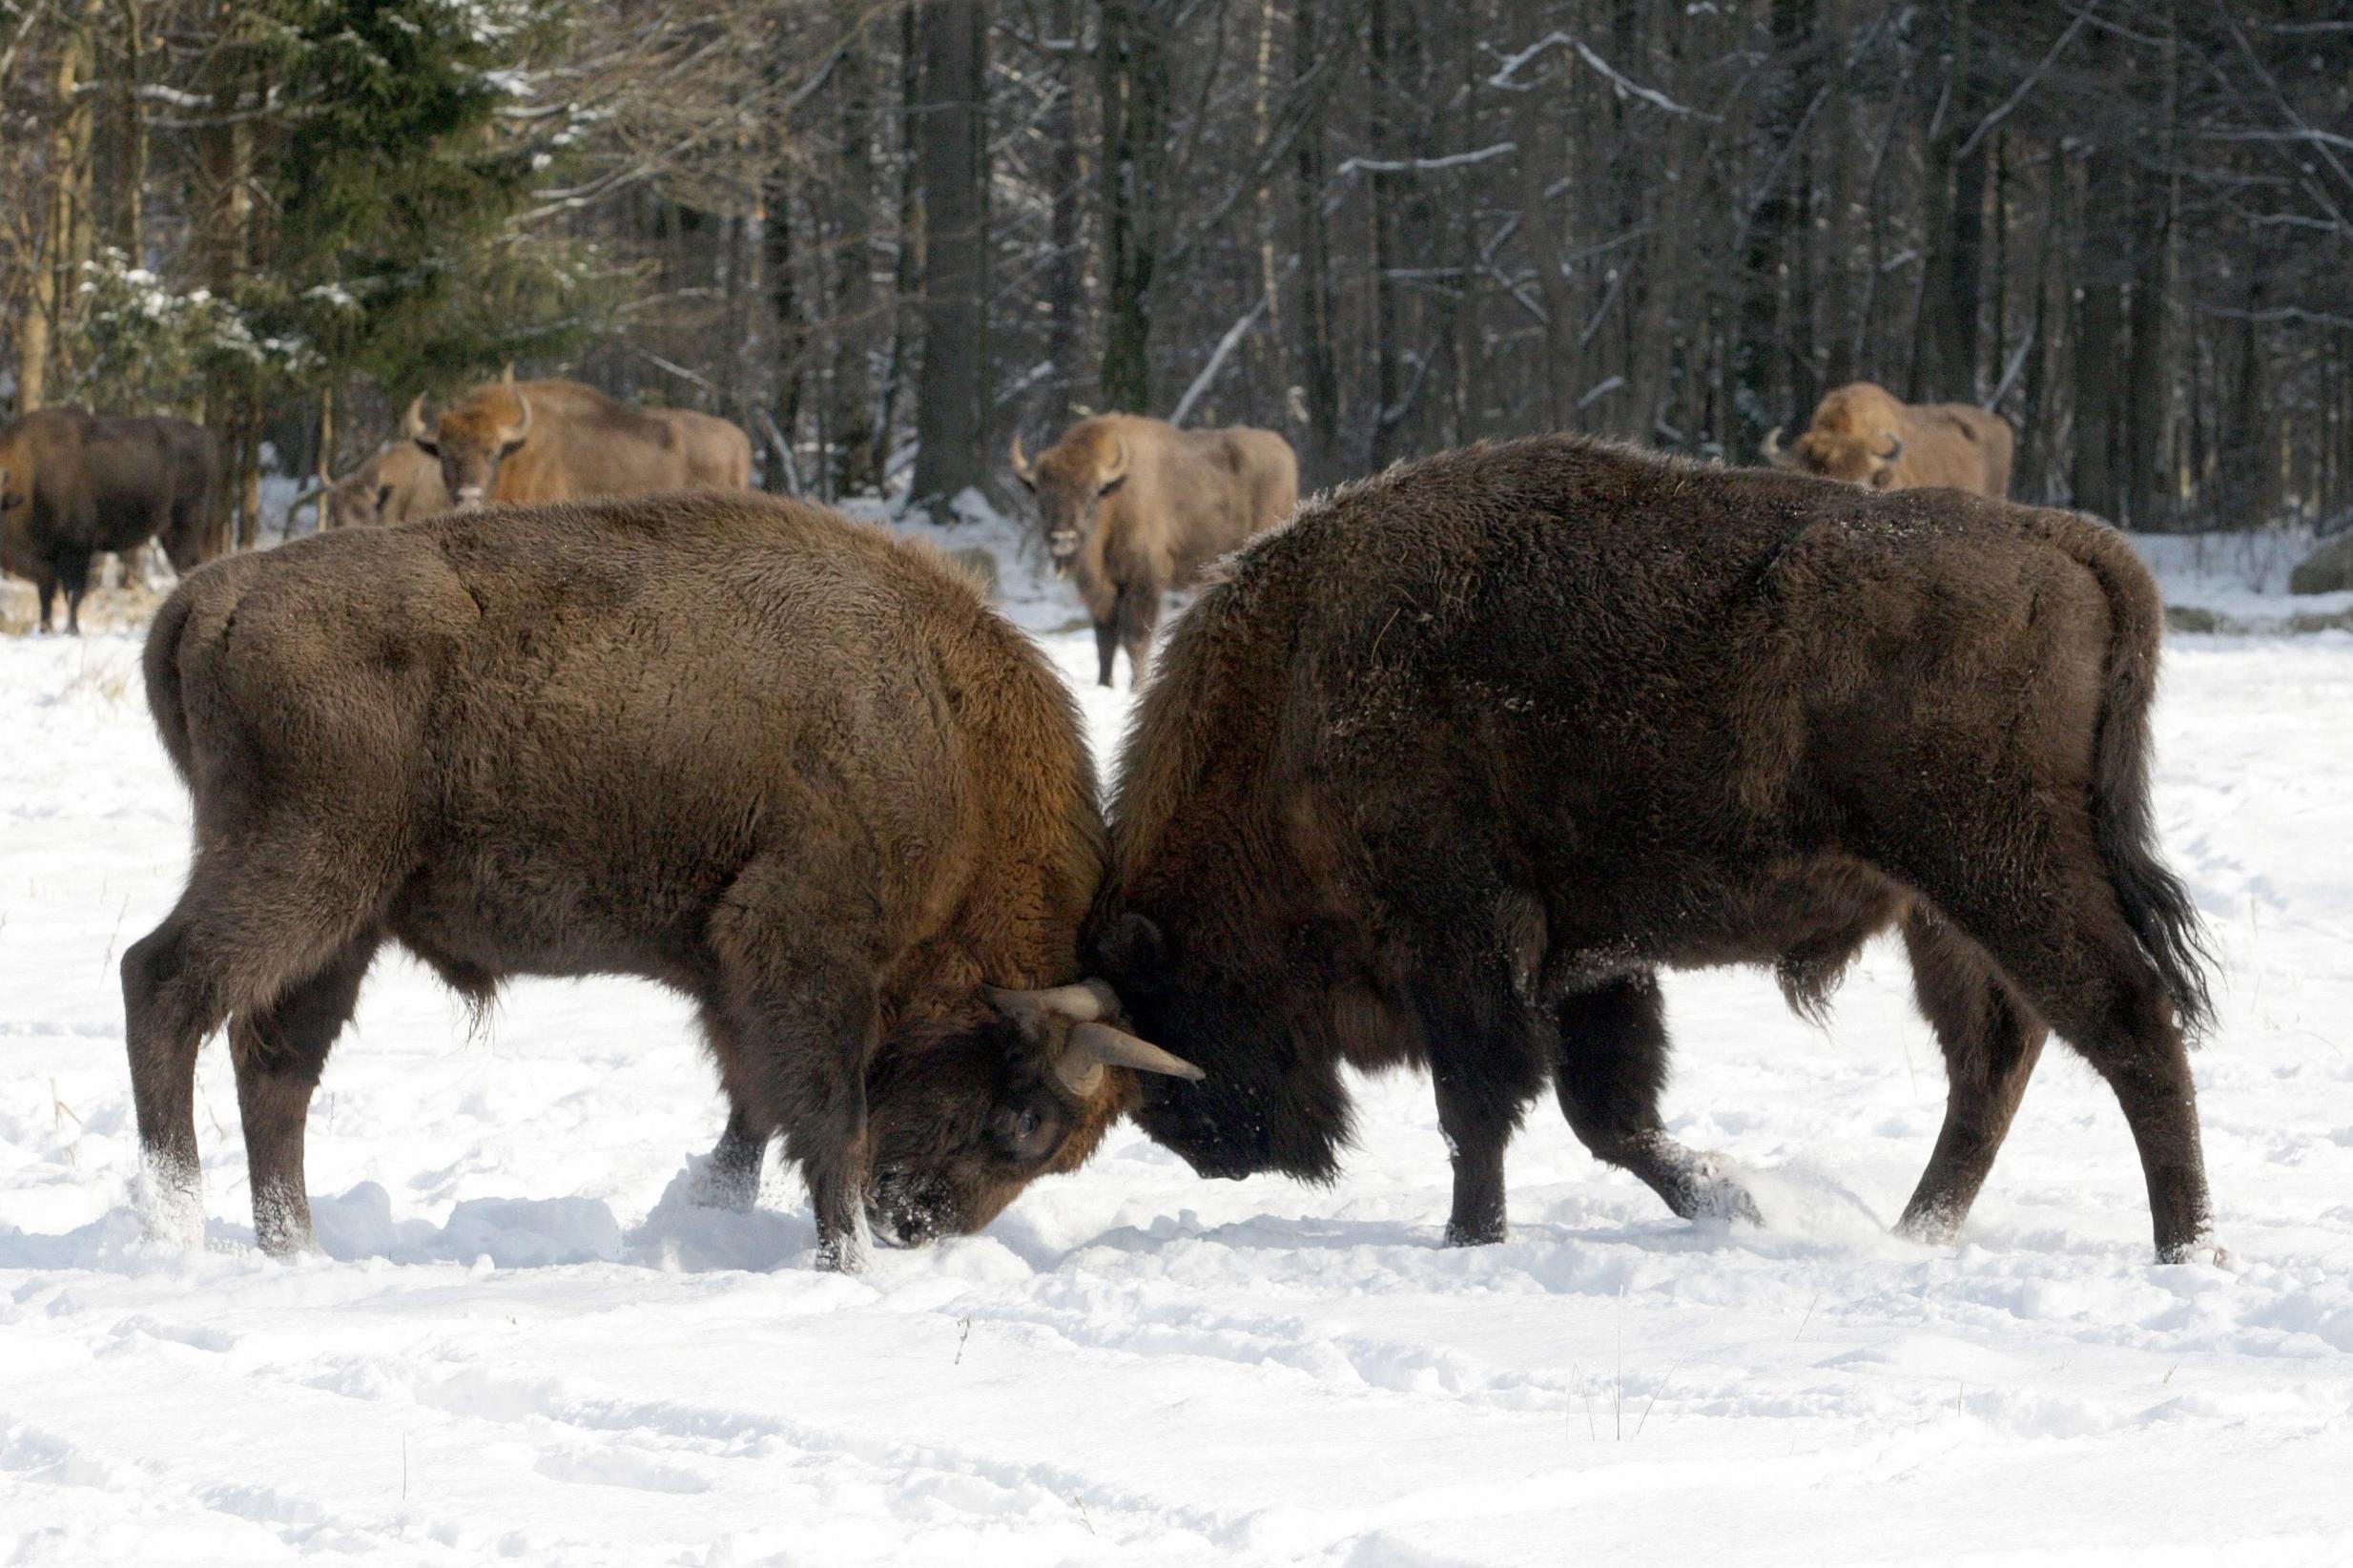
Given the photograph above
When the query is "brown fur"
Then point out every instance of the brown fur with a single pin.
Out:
(74, 484)
(1186, 497)
(1861, 434)
(398, 485)
(777, 761)
(1445, 771)
(578, 443)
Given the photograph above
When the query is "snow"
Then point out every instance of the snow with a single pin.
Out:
(526, 1343)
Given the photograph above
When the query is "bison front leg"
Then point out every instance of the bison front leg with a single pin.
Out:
(1478, 1125)
(1138, 614)
(73, 576)
(279, 1052)
(1106, 648)
(1992, 1040)
(1610, 1067)
(796, 1022)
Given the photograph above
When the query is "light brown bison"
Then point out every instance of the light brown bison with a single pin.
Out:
(1445, 772)
(1132, 507)
(1863, 435)
(398, 485)
(74, 484)
(561, 440)
(777, 761)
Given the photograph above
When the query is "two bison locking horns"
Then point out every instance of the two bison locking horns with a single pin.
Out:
(1442, 772)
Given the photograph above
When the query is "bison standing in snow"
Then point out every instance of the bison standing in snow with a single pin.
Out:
(1132, 507)
(74, 484)
(777, 761)
(1444, 773)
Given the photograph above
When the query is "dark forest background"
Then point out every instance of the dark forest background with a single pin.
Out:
(886, 235)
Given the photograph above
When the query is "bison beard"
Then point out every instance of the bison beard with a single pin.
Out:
(1446, 770)
(747, 748)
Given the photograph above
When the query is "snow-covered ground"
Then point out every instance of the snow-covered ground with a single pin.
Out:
(524, 1344)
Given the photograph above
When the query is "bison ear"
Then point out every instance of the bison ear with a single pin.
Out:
(428, 447)
(1133, 948)
(1111, 484)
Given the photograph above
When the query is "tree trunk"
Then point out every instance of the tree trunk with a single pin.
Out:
(853, 444)
(1065, 279)
(1944, 362)
(2099, 335)
(952, 168)
(1134, 65)
(1319, 370)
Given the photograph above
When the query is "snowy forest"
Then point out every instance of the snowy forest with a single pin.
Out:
(887, 235)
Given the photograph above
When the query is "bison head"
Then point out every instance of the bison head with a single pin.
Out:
(1262, 1102)
(1856, 437)
(473, 438)
(1070, 480)
(962, 1122)
(398, 485)
(1856, 459)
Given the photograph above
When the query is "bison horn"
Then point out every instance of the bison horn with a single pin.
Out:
(507, 377)
(1116, 469)
(1020, 463)
(1093, 1046)
(523, 431)
(1082, 1003)
(1772, 444)
(412, 423)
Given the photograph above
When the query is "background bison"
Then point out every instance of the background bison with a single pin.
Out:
(1862, 434)
(74, 484)
(562, 441)
(776, 761)
(401, 483)
(1448, 769)
(1132, 507)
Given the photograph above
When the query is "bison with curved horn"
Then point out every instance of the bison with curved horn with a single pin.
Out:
(1133, 508)
(1861, 434)
(562, 441)
(777, 761)
(1445, 772)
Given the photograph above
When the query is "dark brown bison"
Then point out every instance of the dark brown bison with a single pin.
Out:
(561, 440)
(763, 756)
(1861, 434)
(1132, 507)
(1446, 770)
(398, 485)
(74, 484)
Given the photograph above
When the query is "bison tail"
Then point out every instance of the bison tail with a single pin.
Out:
(161, 665)
(2156, 905)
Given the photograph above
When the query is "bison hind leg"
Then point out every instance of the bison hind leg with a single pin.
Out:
(1992, 1040)
(280, 1051)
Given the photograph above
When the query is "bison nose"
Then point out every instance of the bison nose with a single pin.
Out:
(469, 497)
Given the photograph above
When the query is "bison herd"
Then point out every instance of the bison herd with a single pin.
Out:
(1441, 769)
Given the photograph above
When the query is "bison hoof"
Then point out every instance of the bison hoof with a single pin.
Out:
(1485, 1234)
(1715, 1196)
(2204, 1249)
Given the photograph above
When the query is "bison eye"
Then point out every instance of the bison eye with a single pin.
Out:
(1026, 1133)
